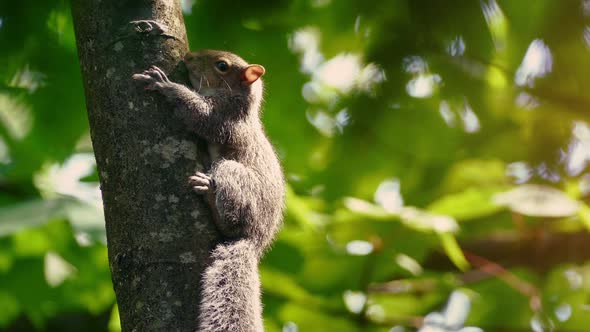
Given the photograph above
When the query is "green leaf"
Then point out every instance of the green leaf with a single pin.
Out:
(538, 201)
(282, 285)
(308, 319)
(475, 173)
(84, 217)
(453, 251)
(10, 308)
(115, 320)
(14, 218)
(469, 204)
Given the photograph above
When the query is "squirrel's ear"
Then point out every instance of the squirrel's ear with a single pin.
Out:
(252, 73)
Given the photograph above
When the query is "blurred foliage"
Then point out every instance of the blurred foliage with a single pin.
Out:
(436, 153)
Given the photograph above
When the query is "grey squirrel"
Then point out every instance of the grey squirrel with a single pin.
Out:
(244, 187)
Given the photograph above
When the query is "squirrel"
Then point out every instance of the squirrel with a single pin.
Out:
(244, 186)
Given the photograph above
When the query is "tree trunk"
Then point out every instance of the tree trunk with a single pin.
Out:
(159, 232)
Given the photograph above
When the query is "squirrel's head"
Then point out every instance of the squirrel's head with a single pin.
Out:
(212, 71)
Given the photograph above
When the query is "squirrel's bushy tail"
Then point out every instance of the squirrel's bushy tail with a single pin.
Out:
(231, 290)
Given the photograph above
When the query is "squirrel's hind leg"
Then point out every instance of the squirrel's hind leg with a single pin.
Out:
(235, 198)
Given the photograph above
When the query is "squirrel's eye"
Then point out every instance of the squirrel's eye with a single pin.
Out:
(222, 66)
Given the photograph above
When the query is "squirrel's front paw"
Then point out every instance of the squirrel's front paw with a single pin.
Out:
(202, 183)
(154, 78)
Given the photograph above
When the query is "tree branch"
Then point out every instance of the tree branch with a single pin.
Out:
(538, 252)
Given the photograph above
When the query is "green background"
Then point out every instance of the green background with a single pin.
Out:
(402, 127)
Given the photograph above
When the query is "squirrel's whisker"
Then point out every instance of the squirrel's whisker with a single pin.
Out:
(228, 86)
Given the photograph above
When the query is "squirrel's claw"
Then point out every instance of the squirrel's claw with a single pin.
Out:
(141, 77)
(160, 73)
(153, 77)
(202, 183)
(201, 189)
(150, 84)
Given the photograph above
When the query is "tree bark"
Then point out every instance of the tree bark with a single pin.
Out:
(158, 231)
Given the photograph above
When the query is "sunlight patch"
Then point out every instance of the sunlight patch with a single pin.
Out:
(409, 264)
(541, 322)
(444, 109)
(574, 278)
(28, 79)
(520, 171)
(497, 23)
(388, 196)
(290, 327)
(315, 93)
(187, 6)
(339, 72)
(344, 72)
(463, 111)
(57, 269)
(452, 317)
(361, 206)
(359, 248)
(456, 47)
(64, 179)
(537, 62)
(306, 42)
(423, 84)
(470, 120)
(330, 79)
(355, 301)
(527, 101)
(326, 123)
(424, 220)
(320, 3)
(587, 36)
(586, 7)
(15, 116)
(578, 151)
(563, 312)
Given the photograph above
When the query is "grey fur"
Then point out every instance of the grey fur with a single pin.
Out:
(245, 186)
